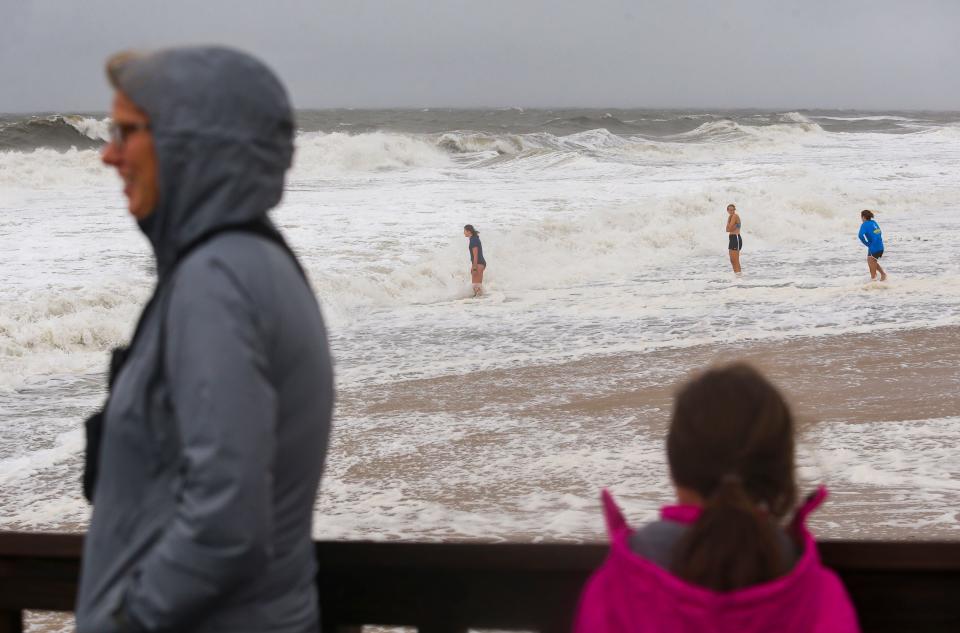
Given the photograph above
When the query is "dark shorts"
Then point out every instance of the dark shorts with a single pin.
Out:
(736, 243)
(876, 255)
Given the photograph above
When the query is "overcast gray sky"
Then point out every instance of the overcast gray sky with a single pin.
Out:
(870, 54)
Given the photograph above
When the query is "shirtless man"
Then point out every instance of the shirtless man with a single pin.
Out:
(736, 242)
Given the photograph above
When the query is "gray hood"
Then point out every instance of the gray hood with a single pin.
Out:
(223, 132)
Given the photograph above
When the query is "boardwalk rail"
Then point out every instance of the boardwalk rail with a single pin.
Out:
(450, 587)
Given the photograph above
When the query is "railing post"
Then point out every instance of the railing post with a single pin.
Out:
(11, 621)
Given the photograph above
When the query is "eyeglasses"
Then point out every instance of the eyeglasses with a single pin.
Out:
(119, 132)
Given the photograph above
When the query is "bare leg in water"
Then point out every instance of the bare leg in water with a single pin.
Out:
(476, 276)
(735, 261)
(874, 265)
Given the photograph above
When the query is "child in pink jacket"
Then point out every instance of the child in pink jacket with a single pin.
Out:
(723, 559)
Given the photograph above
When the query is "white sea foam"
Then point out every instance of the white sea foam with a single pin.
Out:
(26, 465)
(386, 243)
(596, 243)
(44, 334)
(500, 477)
(509, 489)
(46, 169)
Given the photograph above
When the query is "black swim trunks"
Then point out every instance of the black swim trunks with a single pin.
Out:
(736, 243)
(876, 255)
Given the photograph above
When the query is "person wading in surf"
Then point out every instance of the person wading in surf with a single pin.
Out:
(734, 241)
(871, 237)
(477, 263)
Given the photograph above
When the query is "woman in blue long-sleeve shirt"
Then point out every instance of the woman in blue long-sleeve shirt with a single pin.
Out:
(477, 263)
(872, 238)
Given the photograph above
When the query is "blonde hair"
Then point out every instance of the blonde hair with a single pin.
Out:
(115, 64)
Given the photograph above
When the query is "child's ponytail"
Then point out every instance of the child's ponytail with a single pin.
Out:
(731, 442)
(731, 545)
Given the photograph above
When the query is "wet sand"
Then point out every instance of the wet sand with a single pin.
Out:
(865, 404)
(894, 375)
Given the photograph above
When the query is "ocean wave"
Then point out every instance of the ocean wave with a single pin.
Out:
(503, 127)
(948, 132)
(791, 125)
(319, 153)
(37, 319)
(604, 145)
(800, 119)
(43, 332)
(597, 139)
(56, 131)
(325, 155)
(883, 124)
(589, 122)
(879, 117)
(472, 142)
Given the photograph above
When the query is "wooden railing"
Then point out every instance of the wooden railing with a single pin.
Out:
(450, 587)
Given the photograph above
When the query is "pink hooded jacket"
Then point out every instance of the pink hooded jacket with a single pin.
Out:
(630, 594)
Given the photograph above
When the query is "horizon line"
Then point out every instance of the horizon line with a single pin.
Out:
(427, 108)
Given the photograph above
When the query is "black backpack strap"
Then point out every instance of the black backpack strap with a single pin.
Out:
(257, 227)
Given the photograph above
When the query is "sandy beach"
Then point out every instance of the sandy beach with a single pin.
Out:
(853, 396)
(891, 375)
(521, 454)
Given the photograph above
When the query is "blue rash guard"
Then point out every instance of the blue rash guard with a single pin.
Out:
(871, 237)
(475, 243)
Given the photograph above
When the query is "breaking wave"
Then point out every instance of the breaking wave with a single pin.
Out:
(375, 151)
(56, 131)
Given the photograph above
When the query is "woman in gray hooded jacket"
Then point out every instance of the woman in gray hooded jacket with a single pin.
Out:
(205, 462)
